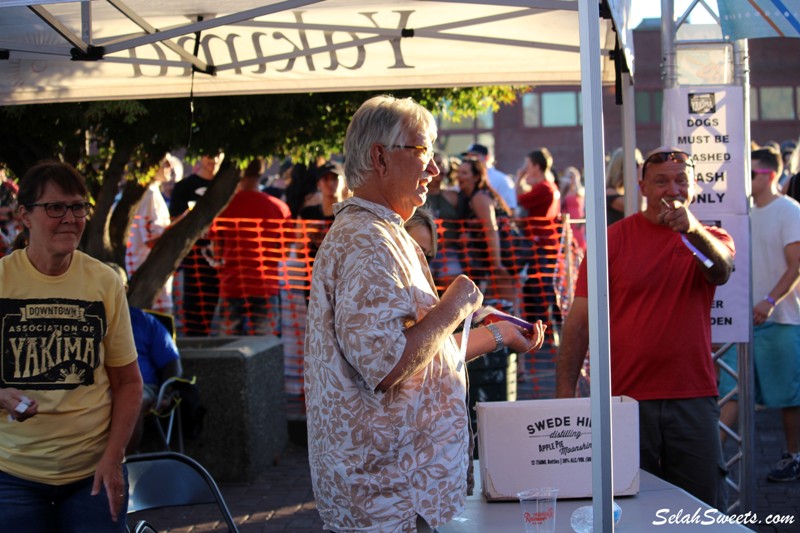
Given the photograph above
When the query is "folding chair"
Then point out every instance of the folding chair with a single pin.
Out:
(170, 479)
(142, 526)
(168, 408)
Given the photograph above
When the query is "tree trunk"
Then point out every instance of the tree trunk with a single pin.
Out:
(122, 218)
(175, 242)
(98, 242)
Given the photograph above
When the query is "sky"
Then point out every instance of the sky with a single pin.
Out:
(652, 8)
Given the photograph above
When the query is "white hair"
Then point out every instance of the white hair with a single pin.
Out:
(383, 120)
(177, 167)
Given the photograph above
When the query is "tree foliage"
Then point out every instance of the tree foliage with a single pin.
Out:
(118, 144)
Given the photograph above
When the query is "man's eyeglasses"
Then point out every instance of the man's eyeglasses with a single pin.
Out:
(58, 209)
(663, 157)
(427, 151)
(756, 171)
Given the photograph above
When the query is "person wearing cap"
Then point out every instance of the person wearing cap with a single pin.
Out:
(247, 239)
(277, 187)
(330, 187)
(385, 380)
(500, 181)
(663, 269)
(319, 206)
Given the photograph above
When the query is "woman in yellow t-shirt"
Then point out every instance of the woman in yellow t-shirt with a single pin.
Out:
(69, 379)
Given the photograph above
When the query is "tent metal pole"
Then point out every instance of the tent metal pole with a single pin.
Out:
(669, 71)
(150, 30)
(631, 184)
(594, 158)
(86, 22)
(747, 427)
(59, 28)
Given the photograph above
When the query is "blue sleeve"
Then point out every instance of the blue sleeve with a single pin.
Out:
(162, 348)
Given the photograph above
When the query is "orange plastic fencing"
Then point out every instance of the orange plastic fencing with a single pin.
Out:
(263, 275)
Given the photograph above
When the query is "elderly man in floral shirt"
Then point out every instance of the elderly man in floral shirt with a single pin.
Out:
(384, 375)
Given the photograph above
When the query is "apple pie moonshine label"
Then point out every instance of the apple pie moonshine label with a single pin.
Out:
(561, 439)
(50, 344)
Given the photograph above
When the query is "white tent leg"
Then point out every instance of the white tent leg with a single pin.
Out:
(594, 162)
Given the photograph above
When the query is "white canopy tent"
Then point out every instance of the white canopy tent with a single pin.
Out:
(110, 49)
(115, 49)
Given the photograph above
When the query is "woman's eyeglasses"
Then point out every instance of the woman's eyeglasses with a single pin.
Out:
(663, 157)
(58, 209)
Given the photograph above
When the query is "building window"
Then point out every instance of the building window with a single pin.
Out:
(454, 143)
(485, 120)
(644, 113)
(560, 109)
(753, 103)
(531, 112)
(551, 109)
(649, 107)
(658, 105)
(456, 136)
(777, 103)
(446, 123)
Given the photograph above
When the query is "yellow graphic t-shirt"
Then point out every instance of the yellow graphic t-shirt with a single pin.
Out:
(58, 333)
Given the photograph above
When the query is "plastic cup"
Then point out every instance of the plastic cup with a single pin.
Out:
(539, 509)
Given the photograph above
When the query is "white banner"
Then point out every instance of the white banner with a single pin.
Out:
(731, 314)
(708, 123)
(282, 46)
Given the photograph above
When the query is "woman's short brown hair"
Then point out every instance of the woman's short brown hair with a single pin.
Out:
(32, 184)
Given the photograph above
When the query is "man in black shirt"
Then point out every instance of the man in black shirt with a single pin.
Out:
(200, 278)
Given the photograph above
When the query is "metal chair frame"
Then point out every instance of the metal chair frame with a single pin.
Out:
(171, 479)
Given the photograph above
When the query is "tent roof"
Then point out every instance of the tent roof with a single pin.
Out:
(114, 49)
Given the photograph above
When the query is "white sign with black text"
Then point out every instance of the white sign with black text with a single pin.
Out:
(731, 313)
(708, 123)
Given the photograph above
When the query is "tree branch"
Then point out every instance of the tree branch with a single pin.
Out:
(177, 240)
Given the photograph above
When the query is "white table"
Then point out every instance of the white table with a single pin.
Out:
(638, 512)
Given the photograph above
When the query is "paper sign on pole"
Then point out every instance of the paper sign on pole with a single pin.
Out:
(708, 123)
(731, 313)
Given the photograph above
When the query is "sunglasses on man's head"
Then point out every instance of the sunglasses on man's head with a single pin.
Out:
(663, 157)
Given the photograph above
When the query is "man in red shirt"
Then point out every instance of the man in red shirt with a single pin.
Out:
(537, 192)
(540, 201)
(248, 239)
(663, 269)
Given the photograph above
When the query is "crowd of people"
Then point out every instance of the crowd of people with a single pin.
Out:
(232, 279)
(405, 243)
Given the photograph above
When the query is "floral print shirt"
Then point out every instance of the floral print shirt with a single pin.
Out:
(379, 459)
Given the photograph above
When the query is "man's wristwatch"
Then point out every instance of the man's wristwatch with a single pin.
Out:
(770, 299)
(498, 337)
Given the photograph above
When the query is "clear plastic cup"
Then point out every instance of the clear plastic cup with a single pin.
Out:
(539, 509)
